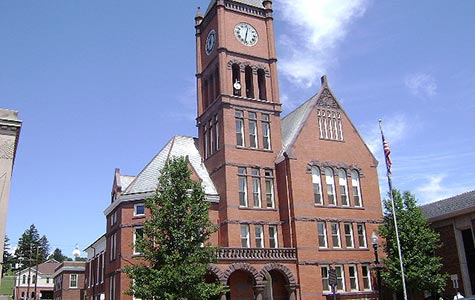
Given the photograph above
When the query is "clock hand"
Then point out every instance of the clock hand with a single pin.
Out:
(245, 38)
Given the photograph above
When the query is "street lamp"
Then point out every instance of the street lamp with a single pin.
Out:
(374, 241)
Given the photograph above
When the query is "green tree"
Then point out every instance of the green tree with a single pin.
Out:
(29, 245)
(58, 255)
(174, 260)
(8, 260)
(418, 244)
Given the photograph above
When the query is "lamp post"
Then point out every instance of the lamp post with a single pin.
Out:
(374, 241)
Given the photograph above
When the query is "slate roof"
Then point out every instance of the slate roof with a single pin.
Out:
(48, 266)
(147, 179)
(293, 123)
(126, 180)
(449, 207)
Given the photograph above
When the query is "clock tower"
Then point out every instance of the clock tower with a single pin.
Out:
(238, 109)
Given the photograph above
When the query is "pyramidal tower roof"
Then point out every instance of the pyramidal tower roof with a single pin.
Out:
(147, 179)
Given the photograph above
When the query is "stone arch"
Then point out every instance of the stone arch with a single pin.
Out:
(278, 267)
(212, 268)
(240, 266)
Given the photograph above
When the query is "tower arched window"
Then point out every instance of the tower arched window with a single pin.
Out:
(355, 184)
(205, 94)
(217, 89)
(343, 187)
(317, 186)
(330, 181)
(211, 89)
(249, 82)
(261, 84)
(236, 80)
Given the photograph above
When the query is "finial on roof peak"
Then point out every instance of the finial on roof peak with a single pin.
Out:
(199, 13)
(324, 80)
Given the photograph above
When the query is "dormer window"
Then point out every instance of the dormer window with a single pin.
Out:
(329, 124)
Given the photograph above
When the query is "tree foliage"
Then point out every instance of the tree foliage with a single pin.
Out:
(175, 249)
(29, 245)
(59, 256)
(418, 244)
(8, 260)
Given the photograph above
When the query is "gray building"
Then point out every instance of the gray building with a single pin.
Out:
(10, 127)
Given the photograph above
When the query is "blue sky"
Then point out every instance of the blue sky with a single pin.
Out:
(105, 84)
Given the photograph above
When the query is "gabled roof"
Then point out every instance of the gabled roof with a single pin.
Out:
(45, 268)
(450, 207)
(147, 179)
(293, 123)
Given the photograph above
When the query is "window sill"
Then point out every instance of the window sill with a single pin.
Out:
(339, 207)
(254, 149)
(258, 208)
(342, 249)
(138, 217)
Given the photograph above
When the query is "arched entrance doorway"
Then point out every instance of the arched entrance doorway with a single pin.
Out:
(241, 284)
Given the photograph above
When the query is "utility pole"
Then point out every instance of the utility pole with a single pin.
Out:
(29, 275)
(36, 271)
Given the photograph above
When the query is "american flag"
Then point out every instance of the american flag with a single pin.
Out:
(387, 151)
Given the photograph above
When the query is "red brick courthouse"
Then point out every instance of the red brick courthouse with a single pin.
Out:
(292, 195)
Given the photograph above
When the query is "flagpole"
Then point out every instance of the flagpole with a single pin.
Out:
(388, 174)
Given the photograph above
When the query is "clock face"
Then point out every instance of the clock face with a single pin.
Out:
(210, 41)
(246, 34)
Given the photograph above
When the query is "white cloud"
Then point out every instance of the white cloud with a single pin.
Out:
(395, 128)
(316, 28)
(435, 189)
(421, 85)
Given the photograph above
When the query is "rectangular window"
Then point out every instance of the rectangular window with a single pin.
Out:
(343, 187)
(366, 277)
(253, 130)
(73, 280)
(206, 141)
(33, 279)
(265, 132)
(273, 240)
(355, 183)
(139, 209)
(330, 181)
(361, 236)
(335, 229)
(239, 128)
(269, 189)
(113, 218)
(112, 288)
(256, 188)
(330, 125)
(242, 180)
(245, 236)
(113, 244)
(322, 235)
(102, 267)
(325, 278)
(211, 137)
(216, 131)
(340, 278)
(353, 274)
(317, 186)
(258, 229)
(349, 235)
(138, 234)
